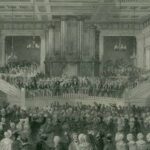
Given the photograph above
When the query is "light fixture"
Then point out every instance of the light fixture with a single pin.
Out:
(12, 57)
(120, 45)
(33, 44)
(134, 44)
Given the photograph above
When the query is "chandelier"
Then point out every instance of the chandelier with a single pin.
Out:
(33, 44)
(12, 57)
(120, 46)
(134, 43)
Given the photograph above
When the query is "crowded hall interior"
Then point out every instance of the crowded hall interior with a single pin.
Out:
(74, 74)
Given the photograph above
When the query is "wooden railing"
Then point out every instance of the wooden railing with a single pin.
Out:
(46, 101)
(140, 90)
(14, 95)
(8, 88)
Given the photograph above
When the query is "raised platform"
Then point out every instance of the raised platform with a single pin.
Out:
(43, 102)
(75, 66)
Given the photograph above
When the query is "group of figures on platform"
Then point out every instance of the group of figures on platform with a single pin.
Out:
(21, 68)
(78, 127)
(112, 81)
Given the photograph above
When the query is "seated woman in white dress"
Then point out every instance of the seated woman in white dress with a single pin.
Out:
(6, 142)
(131, 143)
(141, 143)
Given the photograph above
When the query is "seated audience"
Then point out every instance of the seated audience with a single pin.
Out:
(89, 127)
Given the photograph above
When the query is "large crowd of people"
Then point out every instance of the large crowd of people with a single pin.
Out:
(78, 127)
(56, 86)
(74, 127)
(20, 68)
(112, 81)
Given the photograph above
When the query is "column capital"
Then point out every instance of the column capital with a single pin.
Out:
(98, 27)
(80, 18)
(89, 26)
(64, 18)
(140, 36)
(97, 32)
(51, 24)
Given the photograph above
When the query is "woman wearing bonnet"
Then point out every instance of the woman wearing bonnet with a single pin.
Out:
(120, 144)
(6, 142)
(141, 144)
(83, 143)
(74, 145)
(131, 143)
(148, 141)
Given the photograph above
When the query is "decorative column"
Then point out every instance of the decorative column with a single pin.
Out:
(101, 50)
(43, 54)
(97, 35)
(80, 36)
(147, 58)
(92, 47)
(50, 67)
(97, 62)
(140, 40)
(2, 50)
(51, 39)
(63, 35)
(80, 43)
(47, 56)
(92, 30)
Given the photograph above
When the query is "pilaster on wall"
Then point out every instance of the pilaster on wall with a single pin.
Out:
(101, 50)
(49, 39)
(140, 40)
(42, 60)
(2, 49)
(101, 47)
(92, 31)
(80, 36)
(63, 27)
(143, 48)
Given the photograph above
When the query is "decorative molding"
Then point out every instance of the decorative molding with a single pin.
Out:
(23, 26)
(116, 26)
(64, 18)
(51, 24)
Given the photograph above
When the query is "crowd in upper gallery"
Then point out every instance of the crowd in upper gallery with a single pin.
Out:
(77, 127)
(21, 68)
(113, 80)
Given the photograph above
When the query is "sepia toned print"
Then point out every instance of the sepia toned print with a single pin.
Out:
(74, 74)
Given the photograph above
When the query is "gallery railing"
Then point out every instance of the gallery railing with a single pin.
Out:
(74, 93)
(123, 1)
(132, 1)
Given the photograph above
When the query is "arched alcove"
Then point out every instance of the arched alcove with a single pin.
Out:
(21, 50)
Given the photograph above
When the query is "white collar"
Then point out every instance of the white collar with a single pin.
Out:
(141, 142)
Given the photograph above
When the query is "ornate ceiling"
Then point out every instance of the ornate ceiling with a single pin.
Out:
(97, 10)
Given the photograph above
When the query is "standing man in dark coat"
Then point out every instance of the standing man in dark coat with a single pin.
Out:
(108, 143)
(42, 145)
